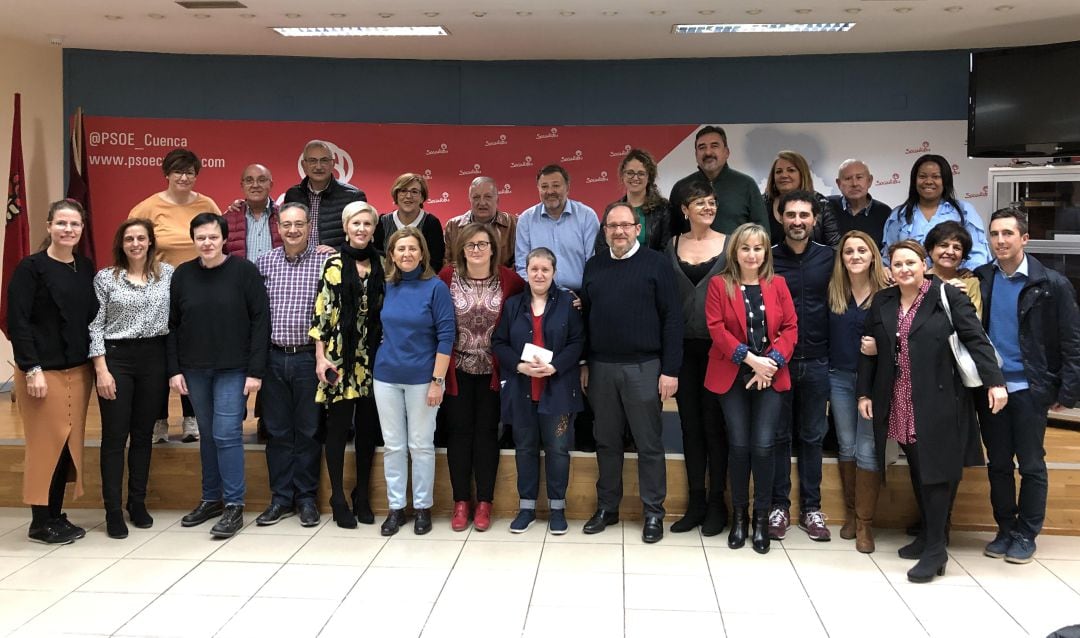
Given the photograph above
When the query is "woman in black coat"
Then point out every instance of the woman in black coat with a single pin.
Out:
(929, 413)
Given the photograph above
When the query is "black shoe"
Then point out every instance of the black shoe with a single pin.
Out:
(695, 513)
(394, 520)
(740, 529)
(114, 524)
(51, 533)
(232, 519)
(716, 518)
(362, 508)
(599, 521)
(273, 514)
(760, 538)
(342, 515)
(913, 550)
(75, 531)
(203, 512)
(422, 524)
(139, 516)
(309, 514)
(653, 529)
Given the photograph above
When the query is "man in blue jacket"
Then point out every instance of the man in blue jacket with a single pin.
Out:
(1030, 313)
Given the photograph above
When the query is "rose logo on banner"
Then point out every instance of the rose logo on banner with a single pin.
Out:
(427, 174)
(895, 179)
(526, 164)
(955, 169)
(622, 153)
(505, 190)
(919, 150)
(576, 157)
(985, 192)
(343, 164)
(442, 150)
(594, 180)
(550, 135)
(445, 199)
(499, 142)
(475, 170)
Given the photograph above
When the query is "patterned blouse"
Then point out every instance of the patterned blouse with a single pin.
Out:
(325, 327)
(477, 304)
(127, 310)
(902, 414)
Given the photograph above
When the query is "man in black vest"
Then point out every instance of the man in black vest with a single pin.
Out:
(634, 354)
(324, 196)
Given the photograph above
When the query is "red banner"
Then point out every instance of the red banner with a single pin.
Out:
(16, 227)
(125, 159)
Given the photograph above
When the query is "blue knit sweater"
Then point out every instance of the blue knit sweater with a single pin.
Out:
(418, 322)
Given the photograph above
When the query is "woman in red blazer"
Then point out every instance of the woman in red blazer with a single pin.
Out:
(752, 323)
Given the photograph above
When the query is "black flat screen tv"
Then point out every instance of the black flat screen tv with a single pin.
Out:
(1025, 102)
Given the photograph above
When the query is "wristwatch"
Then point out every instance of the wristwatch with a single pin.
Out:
(32, 371)
(438, 380)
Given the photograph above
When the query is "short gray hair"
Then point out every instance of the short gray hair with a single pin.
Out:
(318, 143)
(851, 162)
(483, 179)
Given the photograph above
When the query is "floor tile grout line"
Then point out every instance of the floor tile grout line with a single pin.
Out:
(995, 599)
(817, 613)
(364, 571)
(903, 600)
(443, 588)
(1056, 575)
(712, 581)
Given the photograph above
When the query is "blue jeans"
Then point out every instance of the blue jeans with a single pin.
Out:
(804, 411)
(292, 419)
(1016, 432)
(219, 402)
(408, 429)
(553, 430)
(751, 417)
(854, 433)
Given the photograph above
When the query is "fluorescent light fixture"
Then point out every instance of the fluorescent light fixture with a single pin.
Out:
(326, 32)
(823, 27)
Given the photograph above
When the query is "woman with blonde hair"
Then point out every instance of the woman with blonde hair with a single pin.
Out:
(752, 322)
(858, 274)
(791, 172)
(410, 374)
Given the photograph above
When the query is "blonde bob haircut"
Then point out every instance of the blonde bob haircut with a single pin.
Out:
(393, 274)
(732, 273)
(352, 209)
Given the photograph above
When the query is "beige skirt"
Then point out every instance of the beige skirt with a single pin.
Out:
(51, 422)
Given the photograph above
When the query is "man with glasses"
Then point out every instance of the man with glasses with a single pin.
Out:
(484, 209)
(634, 353)
(324, 196)
(253, 220)
(291, 273)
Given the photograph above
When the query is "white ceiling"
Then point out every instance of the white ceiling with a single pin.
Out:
(516, 29)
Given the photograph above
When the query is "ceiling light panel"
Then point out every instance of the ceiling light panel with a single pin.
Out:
(329, 32)
(822, 27)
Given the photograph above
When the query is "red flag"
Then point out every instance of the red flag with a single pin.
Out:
(79, 183)
(17, 227)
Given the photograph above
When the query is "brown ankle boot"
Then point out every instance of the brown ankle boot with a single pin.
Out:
(867, 487)
(847, 481)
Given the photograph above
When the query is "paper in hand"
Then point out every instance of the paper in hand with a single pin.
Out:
(532, 350)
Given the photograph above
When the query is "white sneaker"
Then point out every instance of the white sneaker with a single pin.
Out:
(191, 429)
(161, 431)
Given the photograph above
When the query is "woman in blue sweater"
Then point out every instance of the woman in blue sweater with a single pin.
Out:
(410, 373)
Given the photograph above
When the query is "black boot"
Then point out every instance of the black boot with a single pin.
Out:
(114, 524)
(760, 538)
(362, 507)
(695, 513)
(716, 517)
(936, 500)
(343, 516)
(740, 528)
(139, 516)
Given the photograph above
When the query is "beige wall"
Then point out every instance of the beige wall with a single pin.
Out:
(35, 71)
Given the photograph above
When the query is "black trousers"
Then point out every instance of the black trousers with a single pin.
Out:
(472, 441)
(341, 417)
(705, 443)
(138, 367)
(42, 514)
(935, 501)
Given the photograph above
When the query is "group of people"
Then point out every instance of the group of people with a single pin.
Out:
(753, 310)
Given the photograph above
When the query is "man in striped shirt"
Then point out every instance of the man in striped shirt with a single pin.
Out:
(291, 274)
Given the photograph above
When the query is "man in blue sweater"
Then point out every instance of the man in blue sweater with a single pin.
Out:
(634, 354)
(1030, 313)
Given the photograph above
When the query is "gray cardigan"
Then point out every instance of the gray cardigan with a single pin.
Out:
(692, 297)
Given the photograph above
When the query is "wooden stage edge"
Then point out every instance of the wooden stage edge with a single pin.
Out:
(175, 481)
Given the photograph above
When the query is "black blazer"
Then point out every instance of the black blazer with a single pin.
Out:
(946, 430)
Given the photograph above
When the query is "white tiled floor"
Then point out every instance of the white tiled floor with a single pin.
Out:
(287, 580)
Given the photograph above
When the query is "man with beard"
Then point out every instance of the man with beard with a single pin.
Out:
(806, 267)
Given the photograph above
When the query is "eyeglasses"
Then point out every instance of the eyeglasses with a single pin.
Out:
(415, 192)
(291, 225)
(623, 227)
(261, 181)
(478, 245)
(187, 174)
(315, 161)
(637, 174)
